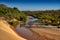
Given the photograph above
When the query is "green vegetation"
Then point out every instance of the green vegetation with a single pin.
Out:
(51, 17)
(13, 23)
(11, 13)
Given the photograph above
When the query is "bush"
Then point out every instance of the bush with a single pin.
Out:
(13, 23)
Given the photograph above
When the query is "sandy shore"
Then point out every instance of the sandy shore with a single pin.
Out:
(48, 33)
(9, 33)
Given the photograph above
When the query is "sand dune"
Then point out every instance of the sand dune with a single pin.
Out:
(6, 33)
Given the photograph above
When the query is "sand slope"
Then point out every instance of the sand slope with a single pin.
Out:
(6, 33)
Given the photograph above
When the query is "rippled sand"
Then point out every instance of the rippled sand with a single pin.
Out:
(48, 33)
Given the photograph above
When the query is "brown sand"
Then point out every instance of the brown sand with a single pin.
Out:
(48, 33)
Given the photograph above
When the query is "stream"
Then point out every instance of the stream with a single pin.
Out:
(23, 30)
(26, 33)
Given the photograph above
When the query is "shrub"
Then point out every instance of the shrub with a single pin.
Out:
(13, 23)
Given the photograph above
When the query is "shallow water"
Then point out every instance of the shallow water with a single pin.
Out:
(23, 31)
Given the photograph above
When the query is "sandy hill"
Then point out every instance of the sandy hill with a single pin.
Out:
(6, 33)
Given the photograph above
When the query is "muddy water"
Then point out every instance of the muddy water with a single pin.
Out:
(26, 33)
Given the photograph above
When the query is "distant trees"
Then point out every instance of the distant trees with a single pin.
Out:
(51, 17)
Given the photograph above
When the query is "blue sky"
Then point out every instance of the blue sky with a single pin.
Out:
(33, 4)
